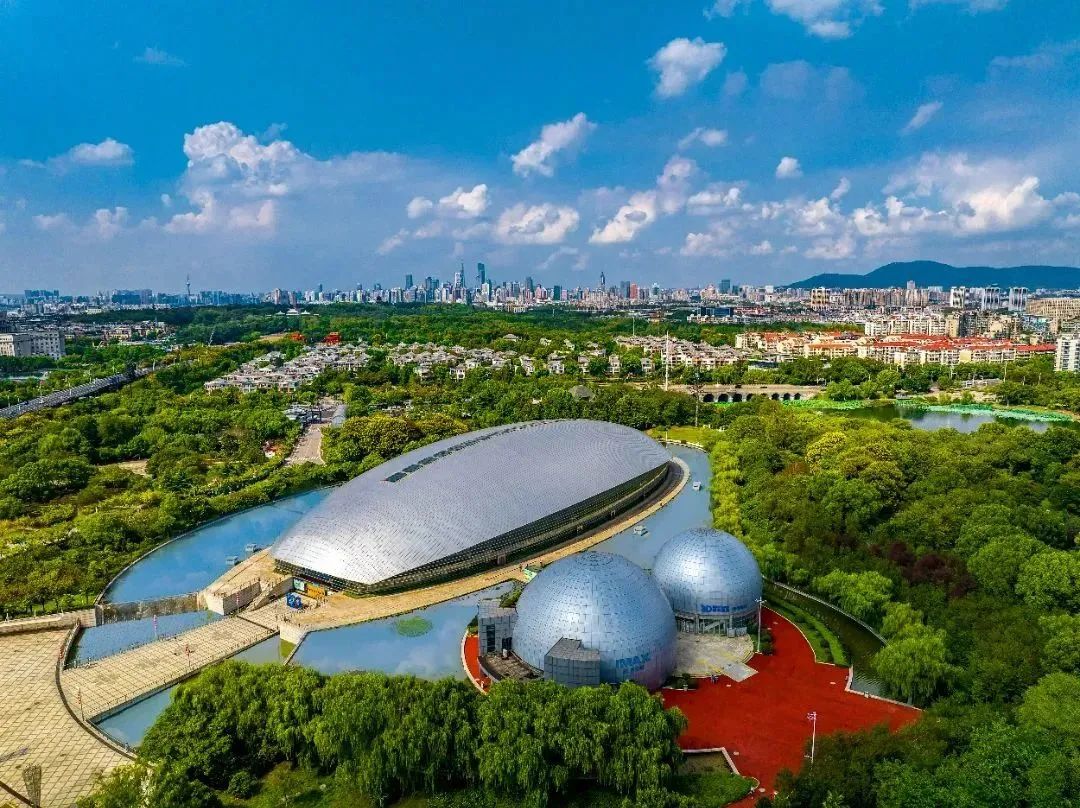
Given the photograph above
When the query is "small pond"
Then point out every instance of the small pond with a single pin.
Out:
(931, 420)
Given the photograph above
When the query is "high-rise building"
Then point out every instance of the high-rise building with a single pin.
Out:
(408, 282)
(624, 290)
(725, 286)
(1067, 355)
(481, 273)
(603, 281)
(1017, 298)
(556, 292)
(529, 283)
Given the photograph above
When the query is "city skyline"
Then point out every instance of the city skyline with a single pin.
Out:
(758, 140)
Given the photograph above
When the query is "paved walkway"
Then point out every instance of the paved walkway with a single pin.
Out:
(107, 684)
(762, 722)
(33, 718)
(705, 655)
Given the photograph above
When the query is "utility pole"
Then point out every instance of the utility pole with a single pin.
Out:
(812, 716)
(667, 358)
(760, 601)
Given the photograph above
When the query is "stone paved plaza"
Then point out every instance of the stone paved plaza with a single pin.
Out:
(32, 717)
(99, 687)
(704, 655)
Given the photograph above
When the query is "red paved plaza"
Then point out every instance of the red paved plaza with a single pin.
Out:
(762, 721)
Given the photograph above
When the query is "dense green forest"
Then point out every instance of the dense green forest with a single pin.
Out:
(962, 551)
(383, 738)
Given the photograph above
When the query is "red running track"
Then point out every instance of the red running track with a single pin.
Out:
(762, 721)
(470, 650)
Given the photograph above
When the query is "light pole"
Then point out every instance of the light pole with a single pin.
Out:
(812, 716)
(760, 601)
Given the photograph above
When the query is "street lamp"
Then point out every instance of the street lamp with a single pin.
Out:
(760, 601)
(812, 717)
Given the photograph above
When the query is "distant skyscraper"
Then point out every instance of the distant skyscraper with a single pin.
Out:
(408, 282)
(725, 285)
(603, 281)
(556, 292)
(624, 288)
(529, 283)
(481, 273)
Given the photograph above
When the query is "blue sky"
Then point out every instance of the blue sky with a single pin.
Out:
(255, 145)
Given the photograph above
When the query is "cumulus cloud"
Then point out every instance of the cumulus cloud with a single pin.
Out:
(832, 249)
(717, 242)
(105, 223)
(418, 206)
(922, 116)
(715, 198)
(539, 156)
(788, 168)
(706, 137)
(683, 62)
(109, 152)
(643, 207)
(159, 58)
(462, 204)
(841, 189)
(58, 221)
(391, 243)
(535, 224)
(827, 19)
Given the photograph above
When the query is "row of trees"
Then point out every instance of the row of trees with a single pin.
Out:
(393, 736)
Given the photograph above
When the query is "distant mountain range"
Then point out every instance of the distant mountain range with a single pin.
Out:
(932, 273)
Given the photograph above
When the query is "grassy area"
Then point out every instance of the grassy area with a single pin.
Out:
(827, 646)
(701, 435)
(414, 626)
(285, 648)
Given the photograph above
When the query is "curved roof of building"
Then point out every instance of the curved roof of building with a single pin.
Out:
(449, 496)
(611, 605)
(706, 571)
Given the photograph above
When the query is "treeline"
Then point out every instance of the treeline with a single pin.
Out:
(962, 551)
(394, 736)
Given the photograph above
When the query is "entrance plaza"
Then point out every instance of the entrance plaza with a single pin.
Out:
(761, 721)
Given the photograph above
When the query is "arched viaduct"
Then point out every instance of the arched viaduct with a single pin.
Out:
(724, 393)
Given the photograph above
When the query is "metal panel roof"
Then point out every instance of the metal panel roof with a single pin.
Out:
(451, 495)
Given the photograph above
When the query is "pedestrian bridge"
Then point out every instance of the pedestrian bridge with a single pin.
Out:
(725, 393)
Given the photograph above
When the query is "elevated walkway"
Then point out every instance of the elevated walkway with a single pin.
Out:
(105, 686)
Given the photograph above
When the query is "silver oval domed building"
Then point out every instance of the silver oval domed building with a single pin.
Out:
(711, 579)
(596, 617)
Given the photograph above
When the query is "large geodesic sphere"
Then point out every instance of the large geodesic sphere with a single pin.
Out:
(709, 577)
(611, 605)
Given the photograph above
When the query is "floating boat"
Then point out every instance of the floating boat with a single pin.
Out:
(232, 561)
(697, 485)
(641, 530)
(251, 547)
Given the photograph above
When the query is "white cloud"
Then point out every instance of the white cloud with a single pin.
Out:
(160, 58)
(796, 80)
(581, 258)
(418, 206)
(57, 221)
(105, 223)
(832, 249)
(643, 207)
(1046, 57)
(723, 8)
(761, 248)
(922, 116)
(717, 197)
(637, 214)
(735, 84)
(539, 155)
(462, 204)
(535, 224)
(827, 19)
(970, 6)
(995, 195)
(841, 189)
(706, 137)
(109, 152)
(682, 63)
(788, 168)
(391, 243)
(716, 243)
